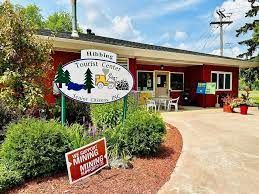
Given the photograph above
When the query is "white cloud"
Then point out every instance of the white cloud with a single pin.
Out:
(98, 19)
(167, 44)
(229, 52)
(179, 35)
(183, 46)
(160, 8)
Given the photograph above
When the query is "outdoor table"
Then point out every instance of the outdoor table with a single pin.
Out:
(161, 100)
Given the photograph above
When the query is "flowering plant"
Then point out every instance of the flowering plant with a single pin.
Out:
(228, 100)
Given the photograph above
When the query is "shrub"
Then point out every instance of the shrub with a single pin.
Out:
(141, 134)
(106, 115)
(6, 116)
(78, 137)
(75, 111)
(110, 115)
(36, 147)
(8, 177)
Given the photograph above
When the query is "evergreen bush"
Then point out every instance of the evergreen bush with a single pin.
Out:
(37, 147)
(8, 177)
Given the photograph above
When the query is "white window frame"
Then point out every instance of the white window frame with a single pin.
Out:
(170, 81)
(151, 91)
(224, 73)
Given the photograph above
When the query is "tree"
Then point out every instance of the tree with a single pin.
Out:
(59, 22)
(60, 78)
(67, 77)
(24, 60)
(253, 42)
(32, 14)
(250, 75)
(88, 81)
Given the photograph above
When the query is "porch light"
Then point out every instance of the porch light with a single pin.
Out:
(162, 67)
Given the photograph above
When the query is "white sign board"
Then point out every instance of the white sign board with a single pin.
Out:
(94, 81)
(98, 54)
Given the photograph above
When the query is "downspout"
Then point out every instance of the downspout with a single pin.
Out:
(74, 20)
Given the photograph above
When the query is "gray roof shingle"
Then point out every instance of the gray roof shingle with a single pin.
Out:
(113, 41)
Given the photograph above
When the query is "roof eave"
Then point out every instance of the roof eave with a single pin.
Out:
(76, 45)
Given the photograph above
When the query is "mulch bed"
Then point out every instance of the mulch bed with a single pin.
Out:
(148, 175)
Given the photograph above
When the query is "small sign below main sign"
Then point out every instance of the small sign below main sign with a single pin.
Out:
(94, 81)
(86, 160)
(206, 88)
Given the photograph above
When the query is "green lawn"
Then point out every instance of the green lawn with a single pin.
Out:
(254, 95)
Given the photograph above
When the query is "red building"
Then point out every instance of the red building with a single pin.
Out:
(157, 71)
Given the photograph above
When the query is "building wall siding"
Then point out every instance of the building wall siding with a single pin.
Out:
(192, 75)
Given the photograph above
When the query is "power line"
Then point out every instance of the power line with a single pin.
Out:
(221, 23)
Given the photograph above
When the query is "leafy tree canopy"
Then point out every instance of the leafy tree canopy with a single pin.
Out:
(58, 22)
(32, 14)
(24, 60)
(253, 42)
(250, 75)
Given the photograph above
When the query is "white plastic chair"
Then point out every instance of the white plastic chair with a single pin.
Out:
(173, 102)
(162, 103)
(151, 104)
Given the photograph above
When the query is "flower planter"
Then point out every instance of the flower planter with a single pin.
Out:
(227, 108)
(243, 109)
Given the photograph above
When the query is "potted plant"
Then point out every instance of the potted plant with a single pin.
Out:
(227, 106)
(245, 102)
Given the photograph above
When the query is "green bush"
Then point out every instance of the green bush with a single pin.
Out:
(141, 134)
(106, 115)
(75, 111)
(8, 177)
(6, 116)
(110, 115)
(78, 137)
(36, 147)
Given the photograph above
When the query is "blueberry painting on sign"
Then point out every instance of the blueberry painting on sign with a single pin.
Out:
(94, 80)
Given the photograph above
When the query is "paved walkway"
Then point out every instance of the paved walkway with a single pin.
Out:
(220, 152)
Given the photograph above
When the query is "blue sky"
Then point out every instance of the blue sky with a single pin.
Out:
(180, 24)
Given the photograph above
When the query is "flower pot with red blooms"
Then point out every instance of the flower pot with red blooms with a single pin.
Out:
(245, 102)
(243, 109)
(227, 106)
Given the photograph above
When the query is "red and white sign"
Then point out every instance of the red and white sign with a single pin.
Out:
(86, 160)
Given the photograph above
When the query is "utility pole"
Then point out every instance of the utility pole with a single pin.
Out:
(221, 23)
(74, 19)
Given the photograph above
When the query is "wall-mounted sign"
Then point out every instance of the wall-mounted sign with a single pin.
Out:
(201, 88)
(86, 160)
(94, 81)
(206, 88)
(98, 54)
(210, 88)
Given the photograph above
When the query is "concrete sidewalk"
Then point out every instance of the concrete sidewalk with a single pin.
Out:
(220, 152)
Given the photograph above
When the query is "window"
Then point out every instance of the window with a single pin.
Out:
(223, 80)
(177, 81)
(161, 81)
(145, 81)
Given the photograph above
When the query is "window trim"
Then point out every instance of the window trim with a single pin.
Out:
(151, 91)
(170, 81)
(224, 84)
